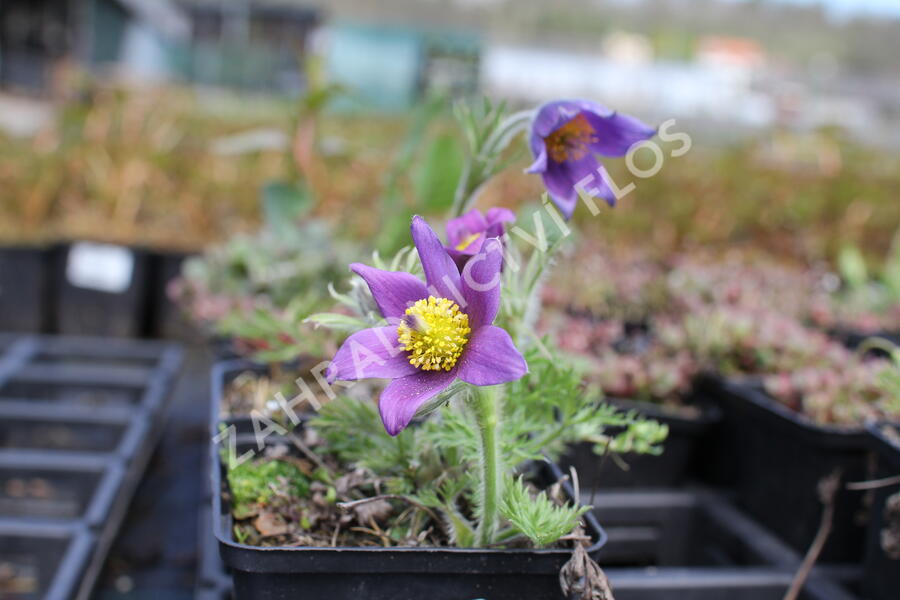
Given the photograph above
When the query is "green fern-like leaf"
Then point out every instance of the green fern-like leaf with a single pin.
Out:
(536, 516)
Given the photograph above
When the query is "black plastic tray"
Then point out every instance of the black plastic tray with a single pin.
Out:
(42, 560)
(673, 467)
(682, 528)
(776, 459)
(68, 463)
(881, 580)
(30, 426)
(730, 583)
(697, 544)
(34, 486)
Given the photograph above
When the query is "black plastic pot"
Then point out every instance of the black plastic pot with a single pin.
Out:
(65, 466)
(42, 560)
(881, 578)
(853, 339)
(672, 468)
(777, 459)
(165, 319)
(378, 573)
(223, 373)
(388, 573)
(24, 291)
(103, 296)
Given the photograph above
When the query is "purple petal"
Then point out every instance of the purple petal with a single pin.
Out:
(368, 353)
(462, 227)
(402, 397)
(549, 118)
(393, 291)
(441, 273)
(499, 215)
(553, 115)
(560, 180)
(616, 133)
(496, 217)
(461, 257)
(491, 358)
(481, 284)
(540, 155)
(598, 188)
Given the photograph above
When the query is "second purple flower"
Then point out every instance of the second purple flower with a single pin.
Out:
(467, 233)
(566, 136)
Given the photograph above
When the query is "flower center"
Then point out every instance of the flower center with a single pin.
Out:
(571, 141)
(434, 332)
(467, 241)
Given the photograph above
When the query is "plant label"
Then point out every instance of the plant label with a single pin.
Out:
(103, 267)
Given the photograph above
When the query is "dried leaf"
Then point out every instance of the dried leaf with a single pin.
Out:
(581, 578)
(269, 523)
(377, 510)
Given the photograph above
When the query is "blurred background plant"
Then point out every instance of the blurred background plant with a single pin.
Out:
(865, 302)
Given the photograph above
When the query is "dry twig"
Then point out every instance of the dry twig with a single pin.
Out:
(828, 488)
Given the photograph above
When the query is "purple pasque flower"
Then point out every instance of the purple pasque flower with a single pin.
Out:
(467, 234)
(438, 331)
(566, 136)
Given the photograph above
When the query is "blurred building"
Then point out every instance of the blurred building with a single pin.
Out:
(391, 67)
(136, 36)
(248, 44)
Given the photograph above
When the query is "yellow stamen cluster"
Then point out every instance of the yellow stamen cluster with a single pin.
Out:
(434, 332)
(467, 241)
(570, 142)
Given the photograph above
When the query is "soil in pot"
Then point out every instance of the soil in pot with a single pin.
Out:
(383, 549)
(249, 388)
(290, 498)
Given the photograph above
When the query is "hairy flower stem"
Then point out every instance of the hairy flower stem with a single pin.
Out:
(482, 165)
(487, 412)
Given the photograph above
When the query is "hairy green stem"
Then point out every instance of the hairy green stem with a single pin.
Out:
(487, 412)
(464, 190)
(480, 166)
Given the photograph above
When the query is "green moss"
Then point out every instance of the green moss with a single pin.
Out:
(250, 481)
